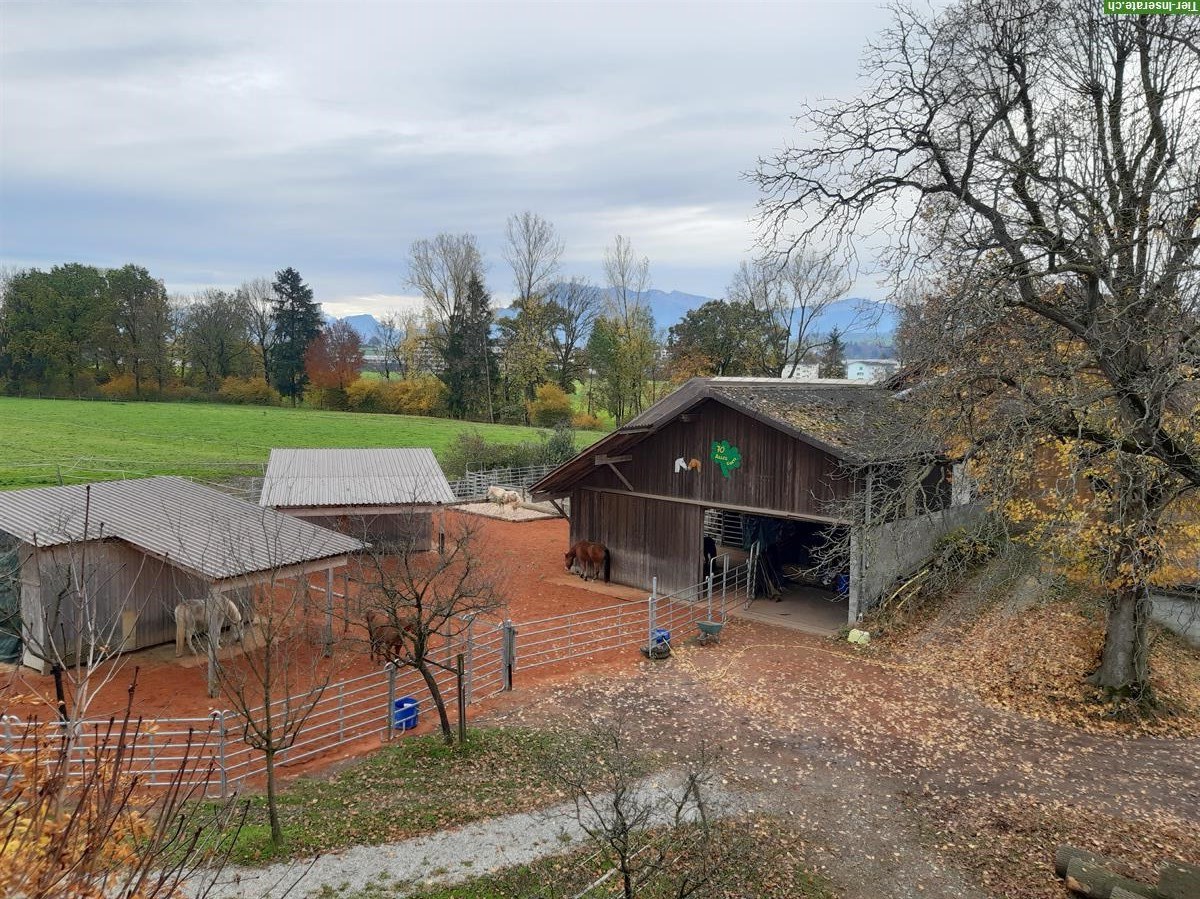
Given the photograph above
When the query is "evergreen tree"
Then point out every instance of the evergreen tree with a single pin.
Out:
(465, 344)
(833, 358)
(296, 321)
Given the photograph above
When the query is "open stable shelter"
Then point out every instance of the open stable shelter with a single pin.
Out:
(377, 494)
(789, 456)
(125, 553)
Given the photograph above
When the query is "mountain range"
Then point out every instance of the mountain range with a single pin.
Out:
(860, 320)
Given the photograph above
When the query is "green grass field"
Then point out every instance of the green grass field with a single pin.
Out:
(42, 441)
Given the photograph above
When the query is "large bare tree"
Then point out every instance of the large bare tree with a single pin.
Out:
(1044, 156)
(533, 250)
(794, 290)
(258, 301)
(419, 604)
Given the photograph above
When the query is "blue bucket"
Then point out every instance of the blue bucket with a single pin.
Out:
(404, 713)
(661, 637)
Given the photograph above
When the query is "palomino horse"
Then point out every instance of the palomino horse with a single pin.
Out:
(191, 620)
(589, 556)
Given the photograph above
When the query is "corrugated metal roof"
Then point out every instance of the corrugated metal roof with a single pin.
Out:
(198, 528)
(354, 477)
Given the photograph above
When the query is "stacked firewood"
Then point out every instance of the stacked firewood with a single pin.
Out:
(1088, 874)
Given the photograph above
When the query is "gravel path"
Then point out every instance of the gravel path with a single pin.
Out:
(449, 856)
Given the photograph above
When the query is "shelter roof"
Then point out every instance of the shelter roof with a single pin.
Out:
(197, 528)
(354, 477)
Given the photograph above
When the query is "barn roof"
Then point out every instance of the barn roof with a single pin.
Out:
(197, 528)
(843, 418)
(354, 477)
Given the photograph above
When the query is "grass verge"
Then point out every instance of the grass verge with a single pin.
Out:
(416, 786)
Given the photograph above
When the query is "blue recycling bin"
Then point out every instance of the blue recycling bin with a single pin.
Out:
(661, 637)
(842, 583)
(404, 713)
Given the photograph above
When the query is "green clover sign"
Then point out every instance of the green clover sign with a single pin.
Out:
(726, 456)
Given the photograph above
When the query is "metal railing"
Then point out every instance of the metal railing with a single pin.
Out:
(474, 484)
(217, 752)
(726, 528)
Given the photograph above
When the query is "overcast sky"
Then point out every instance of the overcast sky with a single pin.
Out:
(214, 143)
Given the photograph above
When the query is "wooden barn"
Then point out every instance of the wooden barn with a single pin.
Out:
(385, 495)
(786, 459)
(111, 560)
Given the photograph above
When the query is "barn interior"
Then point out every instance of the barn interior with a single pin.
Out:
(791, 589)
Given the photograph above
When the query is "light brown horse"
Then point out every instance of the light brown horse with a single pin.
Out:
(385, 640)
(590, 557)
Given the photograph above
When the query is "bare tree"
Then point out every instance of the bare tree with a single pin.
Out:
(82, 612)
(442, 268)
(1041, 157)
(533, 250)
(574, 308)
(628, 277)
(258, 300)
(660, 834)
(795, 290)
(423, 601)
(76, 822)
(390, 331)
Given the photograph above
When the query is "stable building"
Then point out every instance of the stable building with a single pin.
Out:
(770, 462)
(379, 495)
(108, 562)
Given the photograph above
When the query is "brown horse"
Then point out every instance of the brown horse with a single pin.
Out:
(386, 641)
(590, 556)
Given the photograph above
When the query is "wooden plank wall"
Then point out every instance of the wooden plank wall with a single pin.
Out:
(645, 538)
(119, 579)
(778, 472)
(385, 527)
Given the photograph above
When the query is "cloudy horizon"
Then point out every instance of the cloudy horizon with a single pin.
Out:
(214, 143)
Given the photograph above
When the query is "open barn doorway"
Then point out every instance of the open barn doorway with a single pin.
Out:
(791, 588)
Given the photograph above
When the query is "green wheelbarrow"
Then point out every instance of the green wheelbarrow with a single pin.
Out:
(710, 631)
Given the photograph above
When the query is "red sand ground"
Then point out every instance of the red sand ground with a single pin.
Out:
(528, 561)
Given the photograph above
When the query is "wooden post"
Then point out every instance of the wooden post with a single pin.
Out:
(508, 654)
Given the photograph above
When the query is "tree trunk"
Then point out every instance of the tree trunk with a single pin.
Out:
(1124, 662)
(439, 703)
(272, 802)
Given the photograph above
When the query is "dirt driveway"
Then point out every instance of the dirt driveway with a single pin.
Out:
(905, 786)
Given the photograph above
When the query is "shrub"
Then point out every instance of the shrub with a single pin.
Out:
(551, 408)
(585, 421)
(363, 395)
(412, 396)
(248, 391)
(119, 387)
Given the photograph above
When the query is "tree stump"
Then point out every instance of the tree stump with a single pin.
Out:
(1097, 882)
(1178, 880)
(1064, 853)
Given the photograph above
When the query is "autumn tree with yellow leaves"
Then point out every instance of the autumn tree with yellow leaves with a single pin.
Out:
(1041, 158)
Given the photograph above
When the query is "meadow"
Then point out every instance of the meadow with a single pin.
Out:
(69, 441)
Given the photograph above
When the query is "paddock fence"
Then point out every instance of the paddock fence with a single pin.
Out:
(474, 483)
(217, 754)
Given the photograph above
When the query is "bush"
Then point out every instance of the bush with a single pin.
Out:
(551, 408)
(363, 395)
(585, 421)
(248, 391)
(119, 387)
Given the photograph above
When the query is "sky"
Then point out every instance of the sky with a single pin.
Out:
(213, 143)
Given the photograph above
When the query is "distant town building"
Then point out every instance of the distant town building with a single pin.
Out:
(801, 371)
(870, 370)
